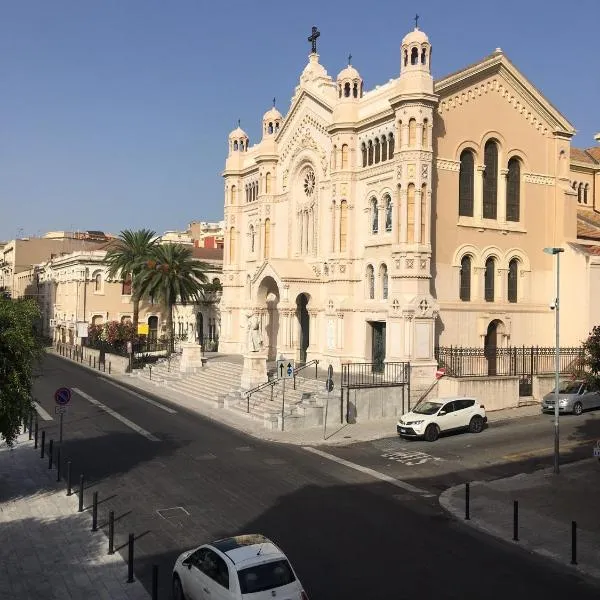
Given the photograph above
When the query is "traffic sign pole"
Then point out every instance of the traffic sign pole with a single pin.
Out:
(61, 428)
(283, 406)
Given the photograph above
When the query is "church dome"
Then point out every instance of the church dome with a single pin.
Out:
(416, 36)
(348, 73)
(272, 114)
(237, 133)
(349, 83)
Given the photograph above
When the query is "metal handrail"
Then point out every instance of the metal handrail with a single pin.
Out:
(308, 364)
(248, 394)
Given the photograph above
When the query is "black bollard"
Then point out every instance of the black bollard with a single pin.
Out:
(111, 532)
(516, 520)
(58, 464)
(95, 512)
(69, 492)
(573, 542)
(94, 362)
(35, 437)
(108, 368)
(43, 443)
(30, 424)
(467, 502)
(50, 453)
(154, 582)
(24, 424)
(81, 480)
(130, 561)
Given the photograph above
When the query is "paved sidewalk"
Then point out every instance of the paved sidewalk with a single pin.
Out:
(548, 504)
(337, 434)
(48, 550)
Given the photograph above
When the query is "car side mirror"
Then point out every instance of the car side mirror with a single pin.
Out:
(187, 563)
(441, 413)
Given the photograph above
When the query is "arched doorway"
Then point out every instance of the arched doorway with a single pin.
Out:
(304, 323)
(490, 347)
(268, 297)
(152, 329)
(200, 328)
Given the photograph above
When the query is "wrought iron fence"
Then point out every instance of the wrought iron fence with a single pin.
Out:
(367, 375)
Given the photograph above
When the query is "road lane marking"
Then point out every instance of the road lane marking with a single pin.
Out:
(376, 474)
(117, 416)
(410, 458)
(539, 451)
(144, 398)
(40, 411)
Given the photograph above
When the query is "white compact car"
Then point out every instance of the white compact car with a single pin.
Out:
(248, 567)
(429, 419)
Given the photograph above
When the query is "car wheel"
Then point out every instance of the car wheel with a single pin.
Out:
(177, 589)
(476, 424)
(432, 433)
(577, 408)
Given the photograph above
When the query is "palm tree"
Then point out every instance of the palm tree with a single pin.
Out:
(127, 259)
(172, 275)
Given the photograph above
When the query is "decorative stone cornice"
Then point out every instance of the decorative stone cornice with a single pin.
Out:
(538, 179)
(444, 164)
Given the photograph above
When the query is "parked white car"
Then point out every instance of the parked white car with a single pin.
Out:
(244, 567)
(429, 419)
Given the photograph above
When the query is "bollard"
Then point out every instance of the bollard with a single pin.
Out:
(58, 465)
(467, 502)
(111, 532)
(104, 363)
(69, 492)
(35, 437)
(90, 360)
(43, 443)
(516, 520)
(81, 480)
(24, 424)
(30, 424)
(108, 367)
(95, 512)
(94, 362)
(50, 453)
(154, 582)
(573, 542)
(130, 561)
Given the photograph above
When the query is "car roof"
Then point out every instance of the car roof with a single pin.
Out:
(249, 549)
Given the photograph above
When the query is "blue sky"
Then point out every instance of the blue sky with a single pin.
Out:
(115, 113)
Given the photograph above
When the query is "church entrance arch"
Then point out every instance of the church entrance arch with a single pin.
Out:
(268, 299)
(490, 348)
(304, 325)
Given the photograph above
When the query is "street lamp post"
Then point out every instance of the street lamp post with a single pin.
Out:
(557, 252)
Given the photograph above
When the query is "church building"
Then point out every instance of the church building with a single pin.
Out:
(374, 225)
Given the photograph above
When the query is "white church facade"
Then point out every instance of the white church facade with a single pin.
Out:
(373, 226)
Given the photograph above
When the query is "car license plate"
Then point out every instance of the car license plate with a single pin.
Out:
(403, 430)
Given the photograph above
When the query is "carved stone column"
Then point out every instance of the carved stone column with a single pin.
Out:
(478, 192)
(502, 196)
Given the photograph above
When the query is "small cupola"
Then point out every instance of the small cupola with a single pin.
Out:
(416, 51)
(238, 140)
(272, 120)
(349, 83)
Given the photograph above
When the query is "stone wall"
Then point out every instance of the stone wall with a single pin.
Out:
(375, 403)
(495, 393)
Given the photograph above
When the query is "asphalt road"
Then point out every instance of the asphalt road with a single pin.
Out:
(178, 480)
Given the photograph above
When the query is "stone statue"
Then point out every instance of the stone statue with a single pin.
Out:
(254, 336)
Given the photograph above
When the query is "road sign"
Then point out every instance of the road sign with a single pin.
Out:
(62, 396)
(329, 385)
(285, 368)
(60, 410)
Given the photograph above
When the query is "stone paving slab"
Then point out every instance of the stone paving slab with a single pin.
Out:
(48, 550)
(548, 504)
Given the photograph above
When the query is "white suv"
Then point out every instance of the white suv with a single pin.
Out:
(244, 567)
(429, 419)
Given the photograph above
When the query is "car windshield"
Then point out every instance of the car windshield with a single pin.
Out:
(266, 576)
(427, 408)
(568, 387)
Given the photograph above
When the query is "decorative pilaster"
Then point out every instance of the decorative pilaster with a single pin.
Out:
(501, 203)
(478, 192)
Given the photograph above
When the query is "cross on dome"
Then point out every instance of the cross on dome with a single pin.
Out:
(312, 38)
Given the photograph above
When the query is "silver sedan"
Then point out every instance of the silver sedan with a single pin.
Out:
(573, 397)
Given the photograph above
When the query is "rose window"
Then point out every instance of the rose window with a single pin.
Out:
(309, 182)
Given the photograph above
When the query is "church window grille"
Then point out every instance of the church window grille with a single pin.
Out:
(465, 278)
(410, 216)
(363, 150)
(412, 133)
(377, 150)
(414, 56)
(466, 178)
(513, 190)
(268, 183)
(384, 282)
(346, 90)
(425, 134)
(384, 149)
(309, 182)
(423, 213)
(345, 156)
(370, 282)
(267, 244)
(370, 152)
(343, 225)
(391, 146)
(513, 278)
(374, 216)
(490, 180)
(388, 213)
(490, 273)
(585, 193)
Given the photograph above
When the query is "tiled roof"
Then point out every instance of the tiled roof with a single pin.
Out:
(588, 224)
(594, 153)
(208, 253)
(593, 250)
(591, 155)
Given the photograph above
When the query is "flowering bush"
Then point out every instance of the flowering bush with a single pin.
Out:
(113, 333)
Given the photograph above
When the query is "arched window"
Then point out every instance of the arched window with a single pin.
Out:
(410, 216)
(252, 238)
(344, 156)
(126, 285)
(490, 273)
(343, 225)
(513, 279)
(384, 148)
(423, 56)
(268, 183)
(363, 150)
(465, 184)
(370, 282)
(98, 282)
(232, 245)
(490, 180)
(414, 56)
(346, 90)
(235, 145)
(580, 192)
(370, 152)
(423, 213)
(355, 90)
(374, 215)
(391, 146)
(377, 150)
(513, 190)
(233, 194)
(465, 278)
(388, 212)
(405, 57)
(270, 128)
(412, 133)
(267, 245)
(384, 282)
(585, 193)
(425, 132)
(241, 145)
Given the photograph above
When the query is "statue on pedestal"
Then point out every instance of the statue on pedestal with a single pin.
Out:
(254, 336)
